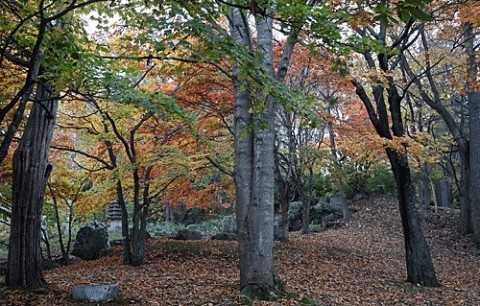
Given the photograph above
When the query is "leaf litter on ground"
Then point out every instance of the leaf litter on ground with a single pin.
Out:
(359, 262)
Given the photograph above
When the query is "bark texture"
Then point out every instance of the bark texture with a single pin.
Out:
(473, 96)
(419, 264)
(254, 155)
(30, 174)
(253, 182)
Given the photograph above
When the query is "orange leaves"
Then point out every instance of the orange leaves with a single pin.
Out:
(470, 12)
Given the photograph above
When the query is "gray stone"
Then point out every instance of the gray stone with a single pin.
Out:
(277, 227)
(115, 226)
(358, 196)
(229, 224)
(95, 293)
(224, 236)
(328, 220)
(188, 234)
(339, 203)
(295, 216)
(91, 242)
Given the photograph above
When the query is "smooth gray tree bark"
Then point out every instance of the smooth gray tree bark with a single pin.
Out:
(254, 152)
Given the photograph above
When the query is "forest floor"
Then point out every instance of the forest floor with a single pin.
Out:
(360, 262)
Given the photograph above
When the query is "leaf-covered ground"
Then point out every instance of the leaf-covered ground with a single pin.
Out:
(360, 262)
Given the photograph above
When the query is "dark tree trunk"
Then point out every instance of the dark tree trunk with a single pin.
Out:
(464, 194)
(284, 207)
(474, 171)
(30, 174)
(305, 214)
(283, 193)
(420, 269)
(63, 250)
(388, 123)
(473, 95)
(425, 197)
(139, 226)
(443, 193)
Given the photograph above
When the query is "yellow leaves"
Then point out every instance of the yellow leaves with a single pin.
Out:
(421, 148)
(361, 19)
(376, 76)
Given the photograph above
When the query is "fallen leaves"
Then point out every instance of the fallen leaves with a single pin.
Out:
(358, 263)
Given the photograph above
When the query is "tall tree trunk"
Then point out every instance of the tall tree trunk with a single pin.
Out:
(388, 122)
(305, 212)
(473, 96)
(254, 152)
(284, 197)
(138, 244)
(464, 194)
(420, 269)
(254, 170)
(30, 174)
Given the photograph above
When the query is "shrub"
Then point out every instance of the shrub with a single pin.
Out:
(315, 228)
(164, 229)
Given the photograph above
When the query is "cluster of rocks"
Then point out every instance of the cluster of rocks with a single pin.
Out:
(324, 212)
(92, 240)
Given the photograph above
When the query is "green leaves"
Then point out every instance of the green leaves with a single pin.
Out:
(413, 9)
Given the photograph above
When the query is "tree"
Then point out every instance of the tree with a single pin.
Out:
(31, 169)
(431, 95)
(385, 112)
(439, 67)
(473, 96)
(30, 174)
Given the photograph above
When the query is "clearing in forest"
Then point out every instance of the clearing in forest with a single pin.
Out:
(360, 262)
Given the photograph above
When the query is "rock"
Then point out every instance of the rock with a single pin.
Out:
(358, 196)
(188, 234)
(91, 242)
(295, 216)
(339, 204)
(94, 293)
(229, 224)
(277, 228)
(224, 236)
(328, 220)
